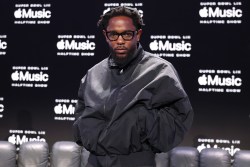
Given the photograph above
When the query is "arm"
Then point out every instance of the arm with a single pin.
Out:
(164, 128)
(79, 108)
(165, 124)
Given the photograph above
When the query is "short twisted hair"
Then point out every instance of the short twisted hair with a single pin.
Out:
(121, 11)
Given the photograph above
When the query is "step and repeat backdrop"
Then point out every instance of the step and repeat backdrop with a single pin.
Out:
(46, 47)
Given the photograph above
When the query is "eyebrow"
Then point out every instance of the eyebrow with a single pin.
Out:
(121, 32)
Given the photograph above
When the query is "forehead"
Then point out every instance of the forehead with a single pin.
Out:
(120, 23)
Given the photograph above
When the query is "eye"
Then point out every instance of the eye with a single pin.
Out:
(127, 35)
(112, 34)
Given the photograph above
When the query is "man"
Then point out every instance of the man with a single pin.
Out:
(131, 105)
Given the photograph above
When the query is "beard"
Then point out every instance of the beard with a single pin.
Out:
(122, 55)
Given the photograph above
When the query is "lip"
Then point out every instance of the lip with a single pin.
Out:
(120, 50)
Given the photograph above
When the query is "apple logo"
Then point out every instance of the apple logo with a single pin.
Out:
(12, 139)
(15, 76)
(58, 109)
(154, 45)
(202, 80)
(18, 13)
(203, 12)
(1, 107)
(60, 45)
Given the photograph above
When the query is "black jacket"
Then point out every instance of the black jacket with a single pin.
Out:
(141, 106)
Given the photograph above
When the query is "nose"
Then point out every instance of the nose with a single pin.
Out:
(120, 40)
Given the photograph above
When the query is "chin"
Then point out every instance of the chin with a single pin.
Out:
(121, 55)
(120, 58)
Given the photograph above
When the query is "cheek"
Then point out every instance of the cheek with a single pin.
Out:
(111, 44)
(133, 44)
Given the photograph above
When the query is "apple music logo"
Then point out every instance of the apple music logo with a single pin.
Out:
(220, 12)
(219, 81)
(18, 137)
(232, 146)
(171, 45)
(228, 81)
(32, 13)
(29, 76)
(64, 109)
(76, 45)
(73, 45)
(29, 13)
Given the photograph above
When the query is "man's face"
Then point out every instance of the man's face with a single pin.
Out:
(121, 48)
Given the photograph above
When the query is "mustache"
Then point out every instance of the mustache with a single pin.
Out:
(121, 48)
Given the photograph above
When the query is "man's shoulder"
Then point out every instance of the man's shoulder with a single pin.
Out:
(100, 65)
(152, 58)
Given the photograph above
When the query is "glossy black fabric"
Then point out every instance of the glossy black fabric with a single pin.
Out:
(141, 106)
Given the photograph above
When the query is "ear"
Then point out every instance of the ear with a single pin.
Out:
(104, 33)
(138, 35)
